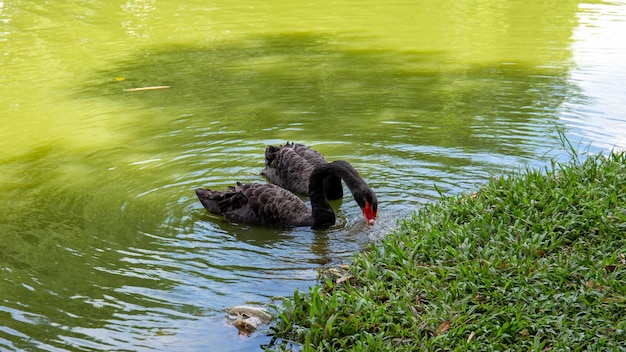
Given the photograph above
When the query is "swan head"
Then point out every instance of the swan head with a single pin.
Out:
(366, 199)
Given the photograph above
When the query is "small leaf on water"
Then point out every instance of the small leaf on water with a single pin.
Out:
(138, 89)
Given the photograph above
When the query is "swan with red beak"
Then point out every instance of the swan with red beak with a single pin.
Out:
(270, 205)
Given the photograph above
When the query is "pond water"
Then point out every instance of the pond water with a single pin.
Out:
(103, 243)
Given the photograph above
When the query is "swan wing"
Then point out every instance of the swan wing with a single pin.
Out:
(284, 167)
(290, 166)
(257, 204)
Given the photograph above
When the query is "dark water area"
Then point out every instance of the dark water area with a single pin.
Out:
(104, 245)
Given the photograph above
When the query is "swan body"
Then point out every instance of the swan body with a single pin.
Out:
(290, 166)
(271, 205)
(257, 204)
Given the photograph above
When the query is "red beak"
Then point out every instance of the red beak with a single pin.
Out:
(369, 213)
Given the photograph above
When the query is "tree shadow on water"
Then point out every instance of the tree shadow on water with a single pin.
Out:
(268, 84)
(286, 75)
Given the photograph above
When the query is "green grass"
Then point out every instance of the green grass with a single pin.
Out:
(532, 261)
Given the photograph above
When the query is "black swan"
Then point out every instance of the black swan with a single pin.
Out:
(270, 205)
(290, 166)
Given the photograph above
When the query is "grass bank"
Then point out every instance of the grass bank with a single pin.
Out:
(532, 261)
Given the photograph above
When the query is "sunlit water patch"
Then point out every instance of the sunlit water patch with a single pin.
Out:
(597, 118)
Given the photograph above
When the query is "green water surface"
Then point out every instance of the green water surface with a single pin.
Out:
(103, 245)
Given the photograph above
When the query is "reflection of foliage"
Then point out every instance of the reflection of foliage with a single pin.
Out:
(274, 82)
(65, 252)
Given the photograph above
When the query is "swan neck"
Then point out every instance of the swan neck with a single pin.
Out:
(321, 209)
